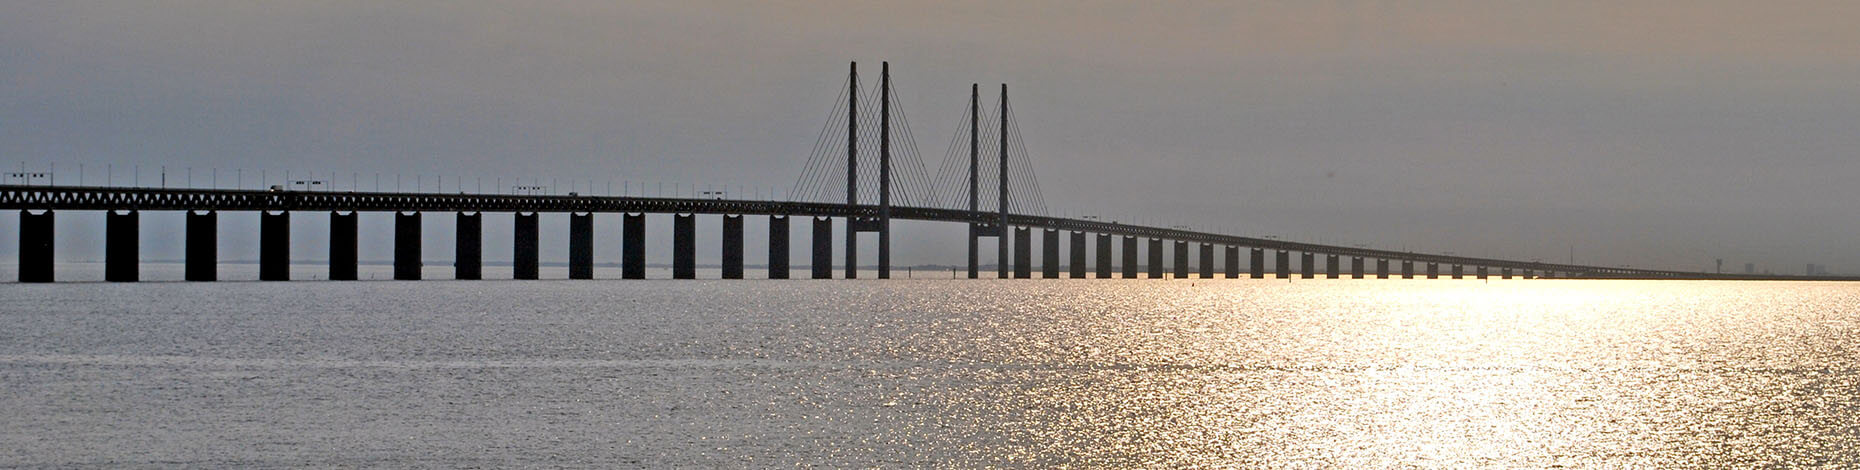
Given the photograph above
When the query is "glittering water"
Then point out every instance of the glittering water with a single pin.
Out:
(1372, 373)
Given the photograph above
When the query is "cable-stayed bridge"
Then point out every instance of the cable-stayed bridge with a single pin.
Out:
(859, 173)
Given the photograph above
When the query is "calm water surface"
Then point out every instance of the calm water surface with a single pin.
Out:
(1111, 373)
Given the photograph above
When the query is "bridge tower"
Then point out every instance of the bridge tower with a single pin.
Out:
(882, 223)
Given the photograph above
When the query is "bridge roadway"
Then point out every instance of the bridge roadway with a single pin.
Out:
(125, 199)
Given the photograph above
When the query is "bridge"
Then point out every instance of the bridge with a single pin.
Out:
(1017, 213)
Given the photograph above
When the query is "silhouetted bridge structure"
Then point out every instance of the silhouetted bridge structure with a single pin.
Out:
(1091, 243)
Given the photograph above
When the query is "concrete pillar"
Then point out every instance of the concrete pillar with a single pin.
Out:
(344, 246)
(525, 262)
(1023, 253)
(1077, 256)
(1307, 268)
(684, 246)
(778, 247)
(1233, 261)
(1130, 257)
(203, 246)
(633, 246)
(1530, 274)
(1180, 252)
(468, 256)
(1104, 256)
(1481, 271)
(1049, 254)
(1459, 272)
(1331, 270)
(1207, 261)
(581, 246)
(1257, 261)
(1284, 266)
(274, 246)
(822, 264)
(406, 246)
(1356, 267)
(121, 245)
(1504, 273)
(1156, 258)
(1433, 270)
(35, 246)
(1382, 268)
(1407, 269)
(733, 247)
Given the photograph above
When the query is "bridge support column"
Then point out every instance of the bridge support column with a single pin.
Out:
(1504, 273)
(581, 246)
(203, 246)
(1459, 272)
(684, 246)
(778, 247)
(1233, 261)
(1104, 256)
(1130, 257)
(822, 264)
(1284, 266)
(1207, 261)
(1308, 269)
(121, 246)
(1076, 256)
(468, 251)
(344, 246)
(406, 246)
(1180, 252)
(1156, 258)
(1407, 269)
(633, 246)
(1530, 274)
(733, 247)
(35, 246)
(1257, 261)
(1382, 268)
(1049, 254)
(1433, 270)
(524, 261)
(1331, 270)
(274, 246)
(1482, 271)
(1023, 253)
(1356, 267)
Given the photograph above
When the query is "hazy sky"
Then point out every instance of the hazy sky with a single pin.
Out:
(1661, 134)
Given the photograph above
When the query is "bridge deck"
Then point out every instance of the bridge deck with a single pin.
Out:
(120, 198)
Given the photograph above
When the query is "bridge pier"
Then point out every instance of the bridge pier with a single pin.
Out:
(121, 245)
(1232, 253)
(1307, 268)
(1104, 256)
(1076, 256)
(1130, 257)
(1023, 253)
(581, 245)
(822, 264)
(406, 246)
(1049, 254)
(778, 247)
(1504, 273)
(1156, 258)
(733, 247)
(35, 246)
(633, 246)
(1180, 250)
(468, 251)
(203, 246)
(1356, 267)
(1331, 270)
(1530, 274)
(524, 261)
(344, 246)
(1481, 271)
(1407, 269)
(1382, 268)
(1207, 261)
(274, 246)
(1284, 259)
(684, 246)
(1459, 272)
(1257, 261)
(1433, 270)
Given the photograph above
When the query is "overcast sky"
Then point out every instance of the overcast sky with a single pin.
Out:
(1653, 134)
